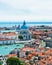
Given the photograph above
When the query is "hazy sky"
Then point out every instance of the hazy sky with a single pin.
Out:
(29, 10)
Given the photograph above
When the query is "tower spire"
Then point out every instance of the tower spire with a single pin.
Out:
(24, 23)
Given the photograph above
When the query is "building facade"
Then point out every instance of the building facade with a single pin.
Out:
(24, 32)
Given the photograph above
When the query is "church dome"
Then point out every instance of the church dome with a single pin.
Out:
(18, 27)
(24, 26)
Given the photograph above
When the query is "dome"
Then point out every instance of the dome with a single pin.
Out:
(18, 28)
(24, 26)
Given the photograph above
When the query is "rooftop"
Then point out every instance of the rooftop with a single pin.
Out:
(27, 49)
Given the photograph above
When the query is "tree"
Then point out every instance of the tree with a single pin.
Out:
(1, 62)
(45, 30)
(20, 37)
(14, 61)
(42, 26)
(27, 53)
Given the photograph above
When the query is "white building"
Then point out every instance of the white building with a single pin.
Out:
(24, 32)
(7, 41)
(8, 38)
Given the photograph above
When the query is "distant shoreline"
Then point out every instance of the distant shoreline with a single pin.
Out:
(26, 22)
(10, 24)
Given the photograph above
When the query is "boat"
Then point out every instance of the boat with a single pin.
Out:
(17, 45)
(6, 47)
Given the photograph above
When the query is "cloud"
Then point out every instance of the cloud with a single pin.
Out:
(30, 10)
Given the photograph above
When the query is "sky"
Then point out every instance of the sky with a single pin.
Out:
(29, 10)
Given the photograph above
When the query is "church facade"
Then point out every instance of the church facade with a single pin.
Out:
(24, 32)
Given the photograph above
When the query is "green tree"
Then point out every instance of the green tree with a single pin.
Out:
(27, 52)
(20, 37)
(45, 30)
(42, 26)
(14, 61)
(1, 62)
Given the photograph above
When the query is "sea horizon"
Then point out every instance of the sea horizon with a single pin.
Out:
(10, 24)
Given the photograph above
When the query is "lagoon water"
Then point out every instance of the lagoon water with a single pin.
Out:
(6, 49)
(10, 24)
